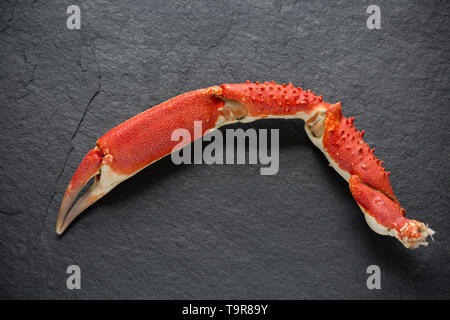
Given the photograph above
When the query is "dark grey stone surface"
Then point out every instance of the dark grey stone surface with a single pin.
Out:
(220, 231)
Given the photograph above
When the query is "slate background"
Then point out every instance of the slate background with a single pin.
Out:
(220, 231)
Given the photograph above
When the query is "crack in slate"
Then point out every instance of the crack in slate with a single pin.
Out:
(27, 82)
(7, 213)
(86, 109)
(11, 18)
(99, 88)
(33, 69)
(54, 191)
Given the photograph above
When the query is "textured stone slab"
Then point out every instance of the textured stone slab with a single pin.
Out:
(220, 231)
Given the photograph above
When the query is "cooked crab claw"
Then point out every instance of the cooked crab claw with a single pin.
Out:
(88, 168)
(135, 144)
(147, 137)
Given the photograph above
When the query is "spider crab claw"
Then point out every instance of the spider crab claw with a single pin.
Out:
(87, 169)
(94, 165)
(133, 145)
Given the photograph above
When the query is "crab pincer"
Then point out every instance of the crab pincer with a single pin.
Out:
(146, 138)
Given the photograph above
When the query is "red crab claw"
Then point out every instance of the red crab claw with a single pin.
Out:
(88, 168)
(135, 144)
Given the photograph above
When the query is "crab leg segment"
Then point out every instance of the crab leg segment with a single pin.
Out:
(369, 184)
(386, 217)
(146, 138)
(271, 100)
